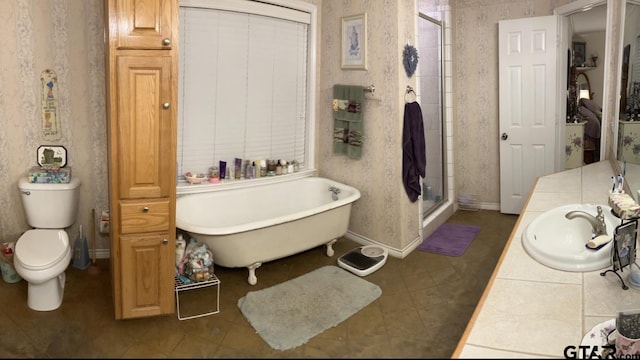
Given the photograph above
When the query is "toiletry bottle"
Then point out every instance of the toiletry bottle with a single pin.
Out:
(271, 165)
(246, 170)
(238, 169)
(279, 168)
(263, 168)
(213, 172)
(181, 244)
(256, 168)
(252, 170)
(223, 170)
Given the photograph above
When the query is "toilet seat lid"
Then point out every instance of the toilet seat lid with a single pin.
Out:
(41, 248)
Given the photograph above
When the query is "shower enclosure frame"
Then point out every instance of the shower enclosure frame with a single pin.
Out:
(434, 185)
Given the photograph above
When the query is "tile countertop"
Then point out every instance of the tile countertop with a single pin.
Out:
(530, 310)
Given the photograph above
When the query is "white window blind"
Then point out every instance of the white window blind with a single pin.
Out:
(242, 88)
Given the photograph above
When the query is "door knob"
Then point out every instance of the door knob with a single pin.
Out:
(504, 136)
(165, 105)
(145, 209)
(166, 42)
(165, 242)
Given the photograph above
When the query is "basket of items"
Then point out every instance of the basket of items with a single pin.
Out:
(197, 263)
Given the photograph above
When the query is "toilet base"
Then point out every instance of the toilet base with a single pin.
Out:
(48, 295)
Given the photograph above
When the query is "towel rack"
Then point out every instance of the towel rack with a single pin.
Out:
(371, 89)
(409, 91)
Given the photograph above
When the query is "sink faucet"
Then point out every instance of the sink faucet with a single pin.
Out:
(597, 222)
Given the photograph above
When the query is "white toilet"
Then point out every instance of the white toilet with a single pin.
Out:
(42, 254)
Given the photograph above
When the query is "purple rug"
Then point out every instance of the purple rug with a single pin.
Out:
(450, 239)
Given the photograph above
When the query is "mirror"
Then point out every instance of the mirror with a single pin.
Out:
(628, 151)
(589, 112)
(583, 87)
(587, 38)
(579, 88)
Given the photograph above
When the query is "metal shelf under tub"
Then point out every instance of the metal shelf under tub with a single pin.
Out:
(182, 286)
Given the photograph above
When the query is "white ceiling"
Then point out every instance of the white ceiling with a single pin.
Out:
(591, 20)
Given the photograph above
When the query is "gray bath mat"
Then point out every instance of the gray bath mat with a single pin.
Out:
(289, 314)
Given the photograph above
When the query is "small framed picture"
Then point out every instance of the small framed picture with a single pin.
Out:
(52, 156)
(579, 53)
(624, 241)
(354, 42)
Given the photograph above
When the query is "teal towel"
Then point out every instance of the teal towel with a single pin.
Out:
(347, 120)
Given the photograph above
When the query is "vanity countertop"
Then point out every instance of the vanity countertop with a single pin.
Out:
(530, 310)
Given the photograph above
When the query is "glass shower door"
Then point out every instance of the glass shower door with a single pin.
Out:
(430, 97)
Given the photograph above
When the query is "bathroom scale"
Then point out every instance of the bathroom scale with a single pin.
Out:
(363, 260)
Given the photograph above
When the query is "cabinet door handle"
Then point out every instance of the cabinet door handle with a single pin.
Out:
(165, 105)
(166, 41)
(165, 242)
(145, 209)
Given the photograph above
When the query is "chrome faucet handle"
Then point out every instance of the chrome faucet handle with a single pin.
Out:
(600, 213)
(602, 228)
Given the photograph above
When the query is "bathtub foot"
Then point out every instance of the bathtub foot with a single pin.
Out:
(252, 273)
(330, 251)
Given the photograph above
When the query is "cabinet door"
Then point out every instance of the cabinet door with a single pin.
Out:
(147, 263)
(145, 24)
(574, 149)
(629, 141)
(145, 130)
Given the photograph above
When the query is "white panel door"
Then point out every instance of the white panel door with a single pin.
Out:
(527, 81)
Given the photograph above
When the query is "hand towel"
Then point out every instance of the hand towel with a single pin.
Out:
(348, 120)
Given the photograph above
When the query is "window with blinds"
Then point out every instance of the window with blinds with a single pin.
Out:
(243, 77)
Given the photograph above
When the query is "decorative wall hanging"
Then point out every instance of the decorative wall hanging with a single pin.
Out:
(50, 121)
(354, 42)
(52, 156)
(624, 248)
(410, 59)
(579, 53)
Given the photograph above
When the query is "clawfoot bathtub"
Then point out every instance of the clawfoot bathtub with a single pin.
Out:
(245, 227)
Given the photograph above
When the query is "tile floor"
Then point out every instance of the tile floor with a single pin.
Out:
(426, 302)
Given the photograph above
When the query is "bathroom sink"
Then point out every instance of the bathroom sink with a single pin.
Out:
(560, 243)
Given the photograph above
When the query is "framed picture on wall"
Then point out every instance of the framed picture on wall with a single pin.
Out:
(354, 42)
(579, 53)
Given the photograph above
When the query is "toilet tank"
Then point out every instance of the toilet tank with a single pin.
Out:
(50, 206)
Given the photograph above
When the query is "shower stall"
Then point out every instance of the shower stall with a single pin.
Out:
(430, 97)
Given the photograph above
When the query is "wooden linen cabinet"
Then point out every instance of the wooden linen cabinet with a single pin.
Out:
(141, 81)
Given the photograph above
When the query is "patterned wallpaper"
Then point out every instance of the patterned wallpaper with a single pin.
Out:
(383, 213)
(67, 37)
(476, 117)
